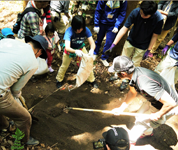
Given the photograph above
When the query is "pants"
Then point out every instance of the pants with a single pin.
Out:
(146, 126)
(110, 36)
(65, 64)
(12, 109)
(50, 57)
(159, 40)
(165, 63)
(128, 50)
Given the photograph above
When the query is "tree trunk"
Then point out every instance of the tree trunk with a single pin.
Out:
(118, 49)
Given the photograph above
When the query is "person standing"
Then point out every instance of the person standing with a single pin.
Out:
(147, 25)
(161, 99)
(14, 74)
(109, 16)
(75, 48)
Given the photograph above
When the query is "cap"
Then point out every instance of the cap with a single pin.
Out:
(40, 39)
(7, 31)
(117, 139)
(122, 63)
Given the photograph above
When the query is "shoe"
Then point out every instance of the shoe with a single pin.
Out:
(94, 84)
(59, 84)
(113, 78)
(123, 85)
(51, 69)
(94, 57)
(32, 142)
(144, 135)
(105, 63)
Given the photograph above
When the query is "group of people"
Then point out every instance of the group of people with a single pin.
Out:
(148, 21)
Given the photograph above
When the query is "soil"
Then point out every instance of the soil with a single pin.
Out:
(76, 130)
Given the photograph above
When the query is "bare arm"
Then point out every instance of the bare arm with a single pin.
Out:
(91, 42)
(120, 34)
(170, 43)
(168, 104)
(163, 12)
(68, 48)
(153, 40)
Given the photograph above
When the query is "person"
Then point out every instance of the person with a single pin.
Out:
(147, 25)
(74, 47)
(53, 40)
(14, 74)
(7, 33)
(31, 23)
(109, 16)
(171, 57)
(161, 99)
(169, 10)
(60, 16)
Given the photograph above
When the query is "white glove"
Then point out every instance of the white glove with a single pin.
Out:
(79, 53)
(65, 19)
(96, 29)
(91, 51)
(115, 30)
(17, 95)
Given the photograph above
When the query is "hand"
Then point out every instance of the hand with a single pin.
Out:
(107, 52)
(65, 19)
(17, 94)
(155, 116)
(79, 53)
(91, 51)
(115, 30)
(117, 111)
(165, 50)
(96, 29)
(146, 54)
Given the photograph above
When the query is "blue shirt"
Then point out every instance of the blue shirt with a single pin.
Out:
(143, 29)
(174, 51)
(76, 39)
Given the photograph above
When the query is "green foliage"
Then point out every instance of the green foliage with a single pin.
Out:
(18, 136)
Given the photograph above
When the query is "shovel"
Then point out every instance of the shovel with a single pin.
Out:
(66, 110)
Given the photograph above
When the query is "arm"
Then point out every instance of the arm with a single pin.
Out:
(120, 34)
(168, 104)
(68, 48)
(153, 40)
(91, 43)
(121, 15)
(130, 96)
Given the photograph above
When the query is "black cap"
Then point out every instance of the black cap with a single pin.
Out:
(41, 40)
(117, 139)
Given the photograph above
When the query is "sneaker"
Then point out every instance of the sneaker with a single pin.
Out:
(94, 84)
(32, 142)
(58, 84)
(94, 57)
(51, 69)
(123, 85)
(105, 63)
(144, 135)
(113, 78)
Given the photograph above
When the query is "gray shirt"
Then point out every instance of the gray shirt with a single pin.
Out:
(17, 64)
(60, 6)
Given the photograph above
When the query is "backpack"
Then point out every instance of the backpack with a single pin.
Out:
(16, 26)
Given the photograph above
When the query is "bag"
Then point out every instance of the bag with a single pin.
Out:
(16, 26)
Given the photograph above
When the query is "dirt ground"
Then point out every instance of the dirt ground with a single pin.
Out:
(76, 130)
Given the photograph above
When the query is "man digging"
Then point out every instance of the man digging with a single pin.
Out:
(161, 101)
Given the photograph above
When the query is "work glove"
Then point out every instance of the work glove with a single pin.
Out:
(115, 30)
(147, 54)
(165, 50)
(91, 51)
(79, 53)
(65, 19)
(96, 29)
(107, 52)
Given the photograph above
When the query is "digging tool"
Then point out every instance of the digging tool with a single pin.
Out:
(106, 111)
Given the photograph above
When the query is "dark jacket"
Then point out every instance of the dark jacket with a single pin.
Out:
(172, 15)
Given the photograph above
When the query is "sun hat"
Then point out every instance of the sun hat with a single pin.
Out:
(7, 31)
(122, 64)
(42, 41)
(117, 139)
